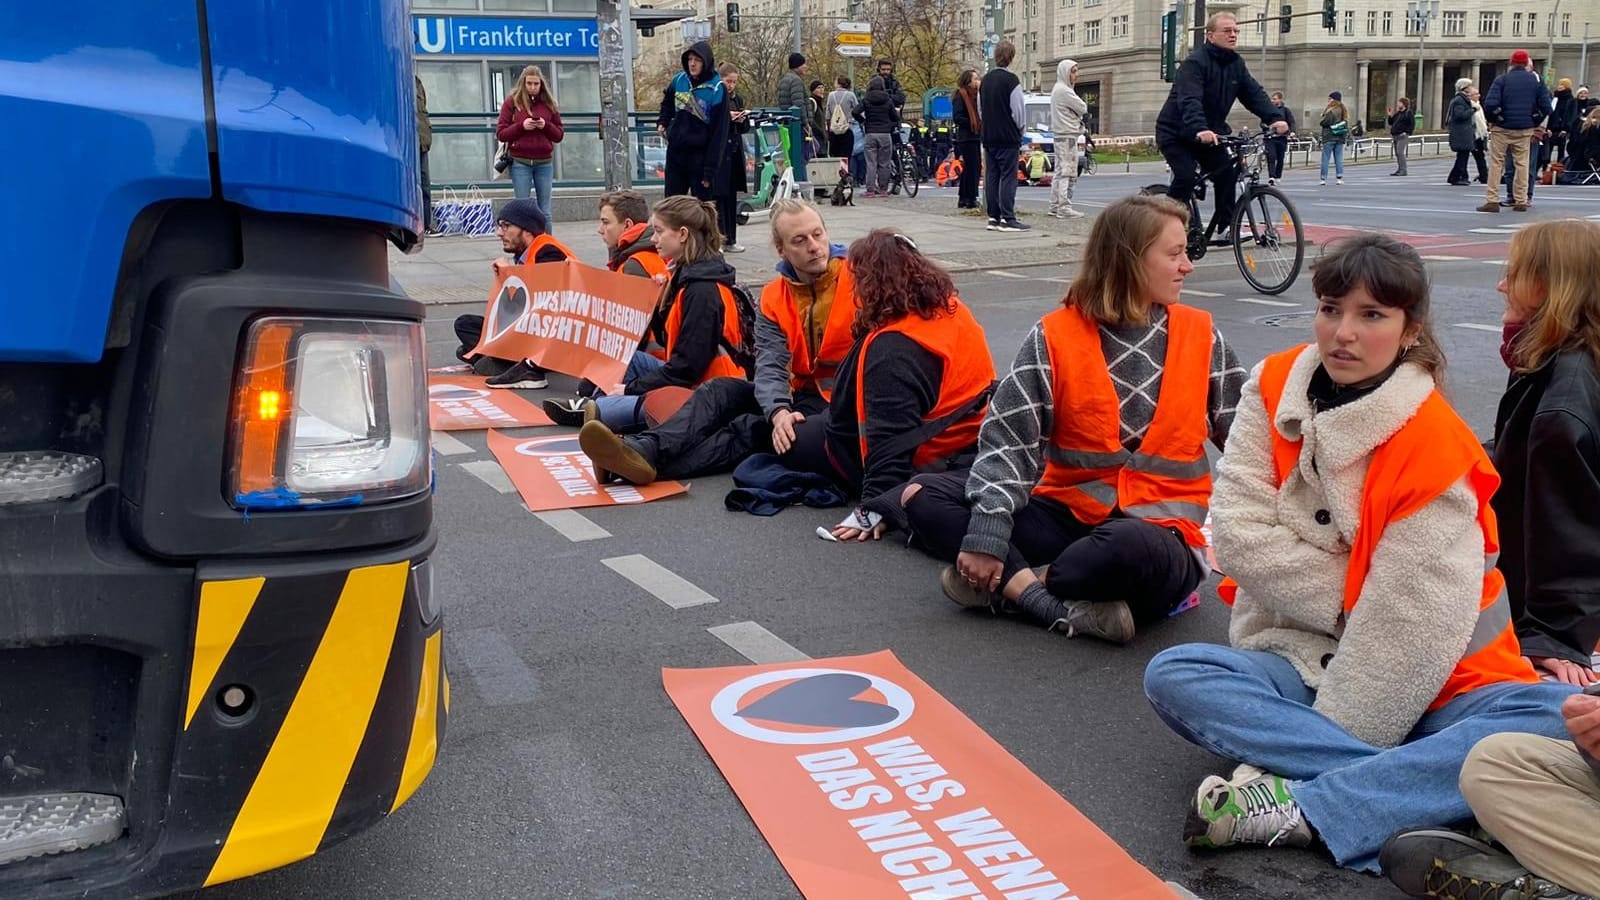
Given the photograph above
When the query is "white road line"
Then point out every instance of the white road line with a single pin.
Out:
(1476, 327)
(1447, 258)
(1003, 274)
(489, 472)
(1493, 262)
(1499, 230)
(447, 445)
(756, 643)
(666, 585)
(572, 525)
(1193, 292)
(499, 673)
(1260, 301)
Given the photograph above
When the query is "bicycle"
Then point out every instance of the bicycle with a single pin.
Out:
(904, 174)
(1266, 236)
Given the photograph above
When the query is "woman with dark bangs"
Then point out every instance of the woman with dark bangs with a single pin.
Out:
(910, 394)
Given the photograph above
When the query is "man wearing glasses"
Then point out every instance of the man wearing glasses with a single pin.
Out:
(1196, 114)
(525, 234)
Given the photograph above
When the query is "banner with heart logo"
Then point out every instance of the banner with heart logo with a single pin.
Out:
(867, 783)
(552, 473)
(463, 403)
(568, 317)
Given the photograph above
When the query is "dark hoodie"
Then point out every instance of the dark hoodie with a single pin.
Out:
(635, 240)
(695, 115)
(877, 111)
(700, 333)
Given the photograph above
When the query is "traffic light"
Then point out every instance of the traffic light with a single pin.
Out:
(647, 30)
(1284, 24)
(733, 18)
(1328, 14)
(1169, 46)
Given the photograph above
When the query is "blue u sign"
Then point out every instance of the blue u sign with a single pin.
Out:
(479, 36)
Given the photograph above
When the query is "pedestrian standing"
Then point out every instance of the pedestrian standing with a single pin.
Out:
(817, 101)
(1066, 119)
(969, 138)
(694, 121)
(1000, 105)
(530, 126)
(880, 120)
(424, 144)
(1480, 135)
(1585, 102)
(731, 175)
(792, 94)
(1517, 103)
(842, 105)
(1563, 119)
(1402, 122)
(1277, 145)
(1335, 124)
(1458, 119)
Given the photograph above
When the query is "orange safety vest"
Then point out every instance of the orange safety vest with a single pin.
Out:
(722, 365)
(1425, 458)
(959, 342)
(539, 243)
(1168, 481)
(949, 171)
(650, 260)
(820, 370)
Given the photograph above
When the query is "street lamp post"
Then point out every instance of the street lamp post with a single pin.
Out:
(1420, 12)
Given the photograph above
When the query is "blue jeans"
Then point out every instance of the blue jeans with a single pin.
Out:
(1334, 149)
(1252, 707)
(625, 414)
(527, 178)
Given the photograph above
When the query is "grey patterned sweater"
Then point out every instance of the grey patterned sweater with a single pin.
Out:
(1011, 446)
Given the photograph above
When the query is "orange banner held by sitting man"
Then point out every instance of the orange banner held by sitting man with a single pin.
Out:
(868, 784)
(552, 473)
(568, 317)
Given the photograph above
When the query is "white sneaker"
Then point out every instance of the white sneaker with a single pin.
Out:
(1072, 214)
(1340, 180)
(733, 248)
(994, 225)
(1324, 182)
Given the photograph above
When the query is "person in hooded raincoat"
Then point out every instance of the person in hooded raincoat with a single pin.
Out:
(694, 121)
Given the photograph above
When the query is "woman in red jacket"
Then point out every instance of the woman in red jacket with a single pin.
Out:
(530, 127)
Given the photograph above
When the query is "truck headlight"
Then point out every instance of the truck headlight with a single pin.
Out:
(328, 411)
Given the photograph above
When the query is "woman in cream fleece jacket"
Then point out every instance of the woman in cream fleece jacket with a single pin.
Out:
(1371, 639)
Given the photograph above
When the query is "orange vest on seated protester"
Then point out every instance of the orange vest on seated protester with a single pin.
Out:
(649, 260)
(1168, 480)
(959, 342)
(1425, 458)
(778, 304)
(539, 243)
(722, 365)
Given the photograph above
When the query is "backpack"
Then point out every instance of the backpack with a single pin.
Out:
(744, 355)
(839, 120)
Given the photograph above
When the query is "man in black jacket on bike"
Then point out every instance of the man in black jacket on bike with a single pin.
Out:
(1196, 114)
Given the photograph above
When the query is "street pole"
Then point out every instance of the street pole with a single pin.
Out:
(797, 26)
(615, 75)
(1583, 56)
(1550, 49)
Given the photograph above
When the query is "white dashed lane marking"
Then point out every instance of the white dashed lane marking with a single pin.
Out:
(448, 446)
(572, 525)
(664, 584)
(1476, 327)
(756, 643)
(1003, 274)
(1194, 293)
(489, 472)
(1263, 302)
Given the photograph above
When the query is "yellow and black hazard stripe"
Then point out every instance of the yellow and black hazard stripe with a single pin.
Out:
(346, 700)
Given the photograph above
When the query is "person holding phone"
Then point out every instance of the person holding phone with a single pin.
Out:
(530, 126)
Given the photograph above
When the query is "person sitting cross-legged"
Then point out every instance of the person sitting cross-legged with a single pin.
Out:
(525, 234)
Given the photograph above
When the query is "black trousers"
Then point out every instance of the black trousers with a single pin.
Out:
(1458, 172)
(1188, 161)
(728, 217)
(1000, 182)
(971, 153)
(1144, 565)
(1482, 162)
(716, 429)
(1276, 150)
(684, 169)
(427, 192)
(841, 145)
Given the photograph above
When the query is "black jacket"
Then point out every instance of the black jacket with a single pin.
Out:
(877, 113)
(897, 94)
(901, 387)
(965, 133)
(1463, 135)
(1209, 82)
(1000, 131)
(699, 333)
(1565, 116)
(732, 176)
(1403, 121)
(1547, 449)
(693, 139)
(1286, 116)
(1583, 149)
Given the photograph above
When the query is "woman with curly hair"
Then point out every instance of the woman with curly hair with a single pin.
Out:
(1092, 462)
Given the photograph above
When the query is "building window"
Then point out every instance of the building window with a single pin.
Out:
(1033, 9)
(1488, 24)
(1415, 25)
(1033, 42)
(1533, 24)
(1091, 32)
(1068, 4)
(1089, 3)
(1566, 24)
(1516, 24)
(1349, 23)
(1372, 23)
(1119, 26)
(1454, 24)
(1388, 23)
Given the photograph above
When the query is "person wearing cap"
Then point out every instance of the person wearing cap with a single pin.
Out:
(525, 234)
(1516, 104)
(792, 91)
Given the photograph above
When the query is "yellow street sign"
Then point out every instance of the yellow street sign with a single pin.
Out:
(845, 37)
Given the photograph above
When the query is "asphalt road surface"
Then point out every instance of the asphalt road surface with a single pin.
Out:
(568, 773)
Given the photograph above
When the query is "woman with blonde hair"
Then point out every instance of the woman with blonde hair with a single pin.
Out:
(530, 126)
(1092, 462)
(1547, 445)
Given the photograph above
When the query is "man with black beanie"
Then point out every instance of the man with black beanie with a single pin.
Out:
(525, 234)
(1000, 108)
(792, 91)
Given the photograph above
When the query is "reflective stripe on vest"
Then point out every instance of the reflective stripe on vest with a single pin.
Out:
(1428, 455)
(959, 342)
(779, 305)
(1168, 479)
(722, 364)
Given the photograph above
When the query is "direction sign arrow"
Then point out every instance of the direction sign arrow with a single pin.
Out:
(853, 49)
(854, 27)
(850, 37)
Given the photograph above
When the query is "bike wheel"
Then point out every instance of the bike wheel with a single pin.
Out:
(1268, 242)
(907, 165)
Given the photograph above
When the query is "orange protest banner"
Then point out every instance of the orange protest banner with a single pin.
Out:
(462, 403)
(552, 473)
(568, 317)
(869, 784)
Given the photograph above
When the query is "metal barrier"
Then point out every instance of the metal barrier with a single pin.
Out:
(464, 148)
(1366, 149)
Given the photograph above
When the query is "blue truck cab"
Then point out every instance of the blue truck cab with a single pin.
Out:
(220, 649)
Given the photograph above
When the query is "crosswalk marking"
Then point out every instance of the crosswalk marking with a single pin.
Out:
(572, 525)
(756, 643)
(447, 445)
(1263, 302)
(1476, 327)
(1003, 273)
(664, 584)
(1197, 293)
(489, 472)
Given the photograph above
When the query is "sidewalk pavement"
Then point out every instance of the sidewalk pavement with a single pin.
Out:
(457, 269)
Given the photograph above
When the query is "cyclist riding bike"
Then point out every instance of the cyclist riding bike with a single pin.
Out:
(1195, 115)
